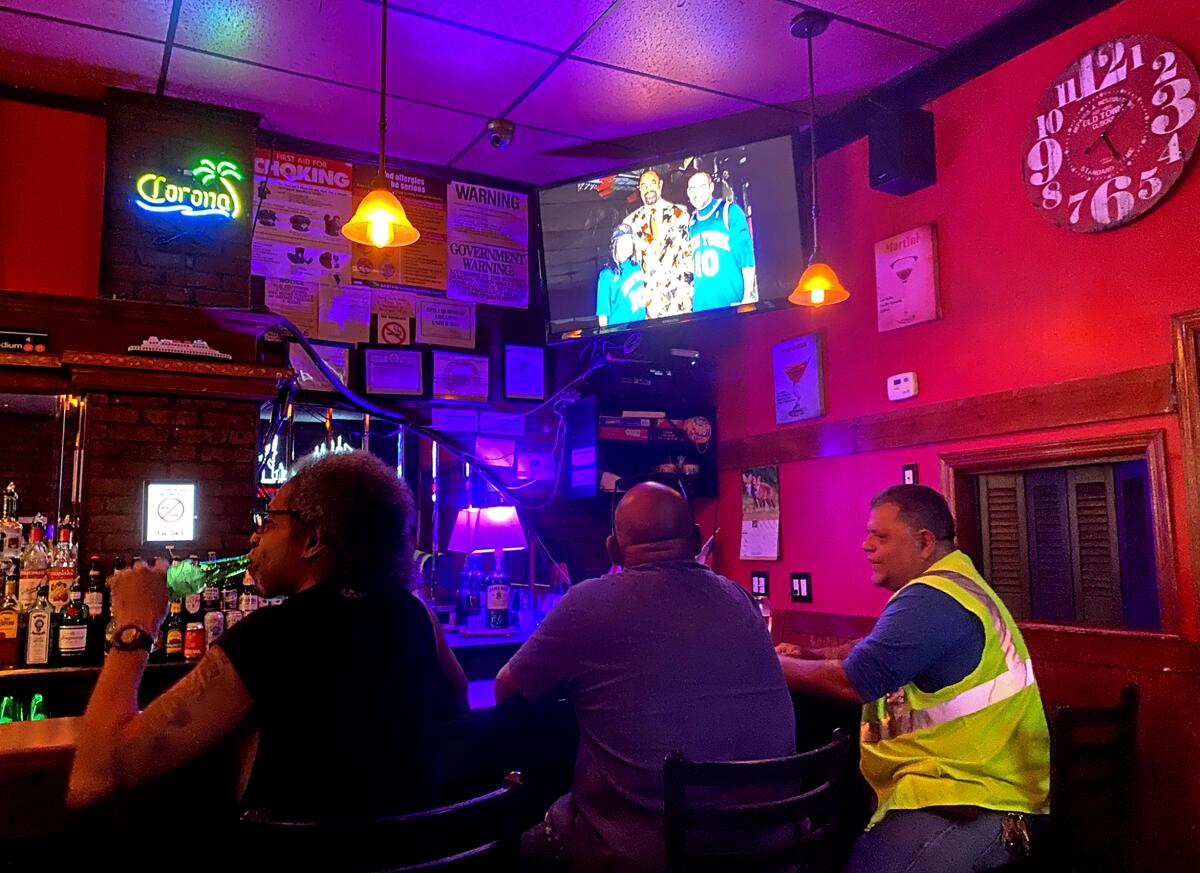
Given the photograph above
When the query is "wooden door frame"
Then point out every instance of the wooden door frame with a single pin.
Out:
(1185, 330)
(958, 470)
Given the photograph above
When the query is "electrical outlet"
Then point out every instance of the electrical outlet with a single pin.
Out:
(908, 474)
(760, 582)
(801, 590)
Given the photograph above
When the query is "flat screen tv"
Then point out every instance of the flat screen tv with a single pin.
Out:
(690, 238)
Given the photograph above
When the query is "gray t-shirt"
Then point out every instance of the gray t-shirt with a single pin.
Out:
(663, 657)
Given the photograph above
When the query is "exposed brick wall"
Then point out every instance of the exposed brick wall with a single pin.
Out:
(29, 457)
(129, 438)
(164, 257)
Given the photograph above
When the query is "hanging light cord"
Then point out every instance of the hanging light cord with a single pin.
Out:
(383, 92)
(812, 146)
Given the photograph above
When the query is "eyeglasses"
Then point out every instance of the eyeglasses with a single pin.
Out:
(260, 517)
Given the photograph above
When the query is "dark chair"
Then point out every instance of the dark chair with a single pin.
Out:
(1092, 757)
(771, 815)
(480, 834)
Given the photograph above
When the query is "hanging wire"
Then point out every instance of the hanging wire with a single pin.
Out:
(812, 146)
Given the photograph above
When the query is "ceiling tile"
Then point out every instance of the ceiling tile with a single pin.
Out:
(745, 49)
(601, 103)
(525, 160)
(932, 21)
(66, 59)
(321, 111)
(339, 40)
(148, 18)
(551, 23)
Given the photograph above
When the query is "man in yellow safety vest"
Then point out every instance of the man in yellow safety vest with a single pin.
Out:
(954, 737)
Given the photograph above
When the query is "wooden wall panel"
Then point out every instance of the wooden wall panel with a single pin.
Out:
(1116, 397)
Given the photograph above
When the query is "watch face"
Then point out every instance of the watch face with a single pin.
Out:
(131, 636)
(1112, 134)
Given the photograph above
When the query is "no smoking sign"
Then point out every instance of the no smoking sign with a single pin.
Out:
(394, 332)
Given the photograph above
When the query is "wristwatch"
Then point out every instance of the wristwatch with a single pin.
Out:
(131, 638)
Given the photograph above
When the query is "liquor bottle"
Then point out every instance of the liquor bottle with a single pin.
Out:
(37, 629)
(11, 539)
(35, 564)
(499, 594)
(64, 561)
(230, 592)
(111, 627)
(10, 624)
(173, 633)
(93, 599)
(248, 600)
(70, 638)
(210, 598)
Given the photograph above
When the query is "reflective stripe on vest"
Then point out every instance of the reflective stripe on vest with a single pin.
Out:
(903, 719)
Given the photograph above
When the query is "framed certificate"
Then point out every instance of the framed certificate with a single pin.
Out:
(395, 371)
(524, 372)
(460, 377)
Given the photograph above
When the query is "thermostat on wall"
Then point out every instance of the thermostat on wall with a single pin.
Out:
(902, 386)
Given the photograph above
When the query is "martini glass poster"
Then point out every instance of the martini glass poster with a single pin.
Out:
(796, 365)
(906, 278)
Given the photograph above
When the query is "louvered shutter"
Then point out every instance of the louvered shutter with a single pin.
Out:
(1094, 544)
(1052, 572)
(1005, 550)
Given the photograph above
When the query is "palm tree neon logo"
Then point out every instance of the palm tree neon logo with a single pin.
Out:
(156, 194)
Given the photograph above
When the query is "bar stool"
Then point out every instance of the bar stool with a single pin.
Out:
(480, 834)
(765, 815)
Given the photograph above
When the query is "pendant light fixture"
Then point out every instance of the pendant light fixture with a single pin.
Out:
(818, 285)
(380, 220)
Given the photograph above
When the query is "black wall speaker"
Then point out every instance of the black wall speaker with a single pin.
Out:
(902, 154)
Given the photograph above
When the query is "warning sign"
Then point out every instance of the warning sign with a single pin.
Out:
(394, 333)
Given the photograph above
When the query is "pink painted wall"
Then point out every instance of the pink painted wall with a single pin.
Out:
(1024, 304)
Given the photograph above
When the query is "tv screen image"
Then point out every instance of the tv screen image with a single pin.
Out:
(664, 243)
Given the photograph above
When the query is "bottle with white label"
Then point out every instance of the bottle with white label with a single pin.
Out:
(499, 595)
(64, 564)
(37, 630)
(71, 635)
(35, 564)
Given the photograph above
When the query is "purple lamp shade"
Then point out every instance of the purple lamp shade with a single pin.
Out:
(492, 528)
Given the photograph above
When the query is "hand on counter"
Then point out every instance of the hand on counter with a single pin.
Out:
(139, 597)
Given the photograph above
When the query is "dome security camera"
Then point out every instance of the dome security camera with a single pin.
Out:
(500, 133)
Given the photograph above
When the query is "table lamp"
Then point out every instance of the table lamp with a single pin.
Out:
(494, 529)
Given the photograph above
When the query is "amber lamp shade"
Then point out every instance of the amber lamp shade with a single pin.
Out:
(380, 221)
(818, 286)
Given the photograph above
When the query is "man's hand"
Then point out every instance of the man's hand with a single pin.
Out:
(139, 596)
(791, 650)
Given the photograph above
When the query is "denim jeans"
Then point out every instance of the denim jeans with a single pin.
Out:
(917, 841)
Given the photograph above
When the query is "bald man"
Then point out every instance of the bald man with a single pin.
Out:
(663, 656)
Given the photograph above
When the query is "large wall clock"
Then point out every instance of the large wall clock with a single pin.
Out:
(1112, 134)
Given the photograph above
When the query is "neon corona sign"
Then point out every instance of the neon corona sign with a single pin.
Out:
(156, 194)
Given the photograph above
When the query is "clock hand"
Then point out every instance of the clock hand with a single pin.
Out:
(1104, 133)
(1108, 142)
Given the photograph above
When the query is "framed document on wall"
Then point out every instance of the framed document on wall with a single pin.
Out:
(395, 371)
(460, 377)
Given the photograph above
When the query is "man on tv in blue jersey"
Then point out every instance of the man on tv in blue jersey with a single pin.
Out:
(620, 288)
(723, 252)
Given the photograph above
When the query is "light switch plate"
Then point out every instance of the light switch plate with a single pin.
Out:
(760, 582)
(801, 588)
(908, 475)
